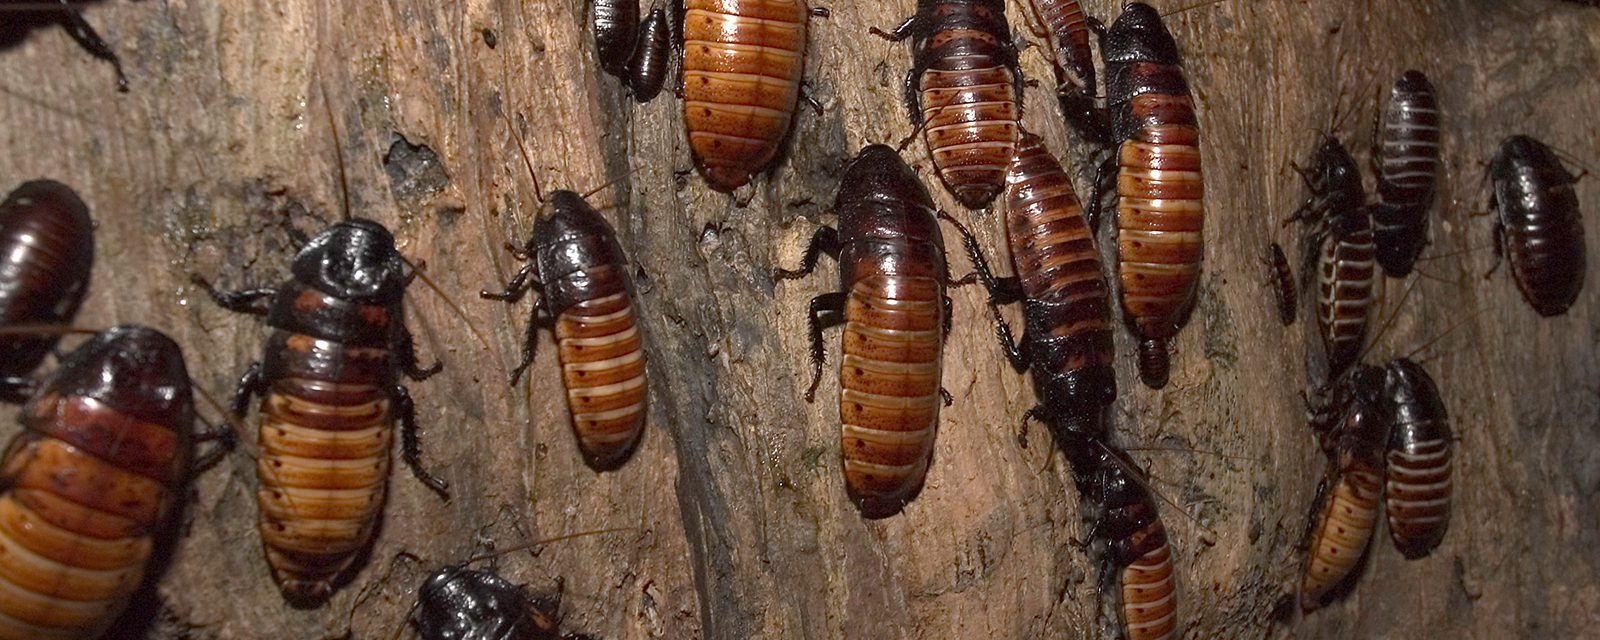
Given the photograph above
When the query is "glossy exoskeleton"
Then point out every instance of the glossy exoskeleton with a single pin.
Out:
(1283, 284)
(1406, 162)
(891, 299)
(616, 29)
(1537, 225)
(586, 299)
(46, 253)
(647, 69)
(1137, 561)
(1418, 485)
(458, 603)
(965, 91)
(330, 397)
(1339, 254)
(1066, 28)
(16, 21)
(1160, 186)
(96, 475)
(1346, 510)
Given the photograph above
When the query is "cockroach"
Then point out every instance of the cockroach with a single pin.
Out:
(94, 478)
(46, 255)
(330, 398)
(1537, 224)
(742, 65)
(892, 275)
(616, 30)
(647, 70)
(1160, 214)
(964, 91)
(1346, 509)
(25, 15)
(1339, 253)
(1066, 28)
(1417, 486)
(1406, 162)
(574, 260)
(1137, 561)
(1283, 285)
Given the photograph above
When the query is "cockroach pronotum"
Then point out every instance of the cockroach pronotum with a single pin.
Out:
(892, 302)
(1066, 28)
(616, 29)
(1283, 284)
(46, 254)
(742, 65)
(1537, 224)
(965, 92)
(647, 70)
(1339, 254)
(1346, 512)
(1418, 485)
(1406, 161)
(330, 397)
(97, 474)
(1160, 214)
(20, 16)
(1137, 561)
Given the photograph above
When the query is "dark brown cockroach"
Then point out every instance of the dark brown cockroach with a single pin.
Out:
(330, 397)
(97, 474)
(892, 275)
(1137, 561)
(1537, 224)
(1346, 510)
(1339, 254)
(616, 30)
(742, 65)
(1066, 28)
(1160, 215)
(459, 603)
(964, 91)
(586, 298)
(17, 17)
(46, 254)
(1283, 285)
(647, 70)
(1418, 486)
(1406, 162)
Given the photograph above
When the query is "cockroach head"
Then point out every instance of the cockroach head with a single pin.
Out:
(1408, 387)
(135, 369)
(457, 603)
(569, 216)
(1521, 150)
(1413, 81)
(877, 168)
(354, 259)
(1139, 34)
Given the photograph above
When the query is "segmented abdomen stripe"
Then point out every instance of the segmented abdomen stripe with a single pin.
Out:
(1342, 533)
(889, 383)
(741, 79)
(1051, 246)
(603, 368)
(1417, 492)
(1160, 217)
(1346, 276)
(1149, 603)
(1409, 152)
(971, 124)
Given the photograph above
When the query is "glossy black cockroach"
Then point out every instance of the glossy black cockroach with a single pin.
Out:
(46, 254)
(19, 17)
(1538, 226)
(616, 30)
(1066, 28)
(94, 479)
(964, 91)
(1346, 508)
(1418, 485)
(1281, 279)
(892, 302)
(1339, 253)
(1406, 162)
(330, 397)
(647, 69)
(1160, 186)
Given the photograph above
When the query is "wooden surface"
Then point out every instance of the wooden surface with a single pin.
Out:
(740, 524)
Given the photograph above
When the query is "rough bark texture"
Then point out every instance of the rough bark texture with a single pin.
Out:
(741, 527)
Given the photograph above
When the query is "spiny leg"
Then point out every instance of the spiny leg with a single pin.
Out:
(530, 340)
(251, 301)
(410, 446)
(226, 440)
(518, 287)
(16, 390)
(827, 303)
(825, 240)
(86, 37)
(1105, 179)
(251, 385)
(405, 352)
(1001, 290)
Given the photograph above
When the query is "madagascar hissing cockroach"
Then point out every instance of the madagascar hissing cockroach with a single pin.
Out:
(1417, 487)
(1160, 214)
(892, 276)
(1283, 284)
(964, 90)
(97, 474)
(1406, 161)
(742, 65)
(1346, 510)
(330, 397)
(1537, 225)
(19, 17)
(1137, 561)
(586, 298)
(647, 70)
(616, 29)
(459, 603)
(46, 254)
(1338, 253)
(1066, 27)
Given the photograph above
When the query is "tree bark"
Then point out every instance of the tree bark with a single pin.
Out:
(246, 115)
